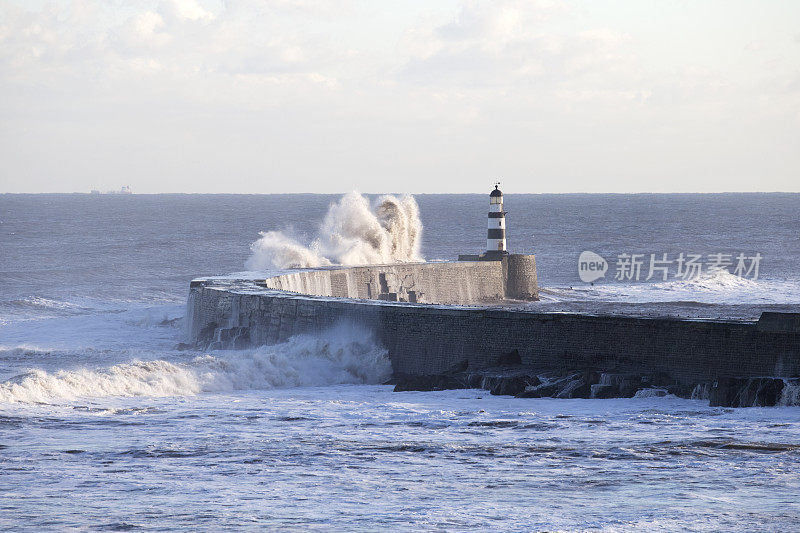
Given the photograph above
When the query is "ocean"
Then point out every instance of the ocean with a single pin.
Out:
(106, 425)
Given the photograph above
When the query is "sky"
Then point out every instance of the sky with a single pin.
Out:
(276, 96)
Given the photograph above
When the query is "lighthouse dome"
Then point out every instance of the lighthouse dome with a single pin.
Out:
(496, 192)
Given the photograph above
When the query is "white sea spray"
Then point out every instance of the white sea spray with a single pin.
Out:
(339, 356)
(353, 232)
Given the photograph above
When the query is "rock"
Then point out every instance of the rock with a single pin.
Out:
(628, 386)
(428, 383)
(600, 391)
(723, 392)
(499, 381)
(618, 385)
(578, 387)
(475, 380)
(525, 383)
(681, 390)
(746, 392)
(701, 391)
(548, 389)
(511, 386)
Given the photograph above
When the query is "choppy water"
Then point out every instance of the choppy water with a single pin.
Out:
(105, 425)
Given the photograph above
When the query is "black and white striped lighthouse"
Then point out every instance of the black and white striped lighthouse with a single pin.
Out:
(496, 238)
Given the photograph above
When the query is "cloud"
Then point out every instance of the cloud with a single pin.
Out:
(187, 10)
(179, 44)
(142, 31)
(361, 89)
(508, 50)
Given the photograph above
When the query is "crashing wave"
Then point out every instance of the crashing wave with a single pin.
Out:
(790, 395)
(354, 232)
(340, 357)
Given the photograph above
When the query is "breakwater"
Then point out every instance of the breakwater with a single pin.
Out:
(445, 346)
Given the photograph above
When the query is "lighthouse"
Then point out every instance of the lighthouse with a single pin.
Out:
(517, 270)
(496, 237)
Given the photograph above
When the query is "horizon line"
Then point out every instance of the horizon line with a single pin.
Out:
(113, 193)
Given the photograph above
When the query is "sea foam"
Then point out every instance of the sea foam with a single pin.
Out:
(716, 287)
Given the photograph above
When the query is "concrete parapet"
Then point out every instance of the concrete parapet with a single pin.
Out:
(458, 283)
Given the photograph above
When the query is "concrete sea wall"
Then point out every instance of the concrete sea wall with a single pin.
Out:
(430, 339)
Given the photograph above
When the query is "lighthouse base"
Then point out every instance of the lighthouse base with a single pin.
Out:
(491, 255)
(494, 255)
(519, 272)
(520, 281)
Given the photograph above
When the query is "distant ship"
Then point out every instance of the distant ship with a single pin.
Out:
(126, 189)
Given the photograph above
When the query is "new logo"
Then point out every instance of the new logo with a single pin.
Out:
(591, 267)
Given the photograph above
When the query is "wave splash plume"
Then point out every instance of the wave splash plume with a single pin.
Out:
(343, 356)
(354, 232)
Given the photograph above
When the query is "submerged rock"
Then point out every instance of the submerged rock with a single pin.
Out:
(527, 383)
